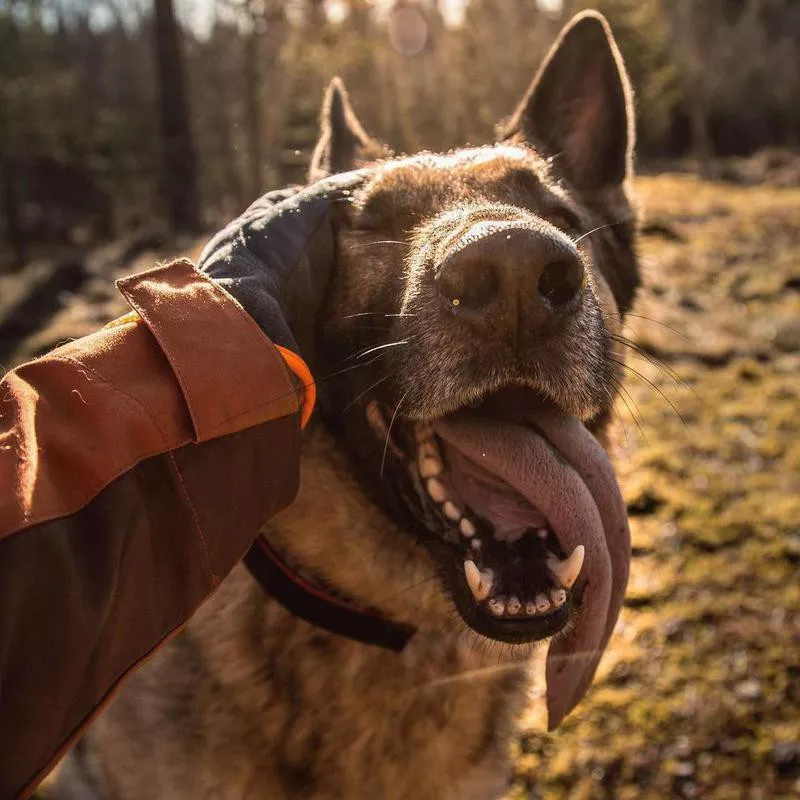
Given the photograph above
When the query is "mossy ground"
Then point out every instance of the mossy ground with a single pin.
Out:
(699, 692)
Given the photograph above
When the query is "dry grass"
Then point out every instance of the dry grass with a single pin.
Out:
(699, 693)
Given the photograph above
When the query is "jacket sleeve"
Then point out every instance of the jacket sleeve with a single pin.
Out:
(137, 466)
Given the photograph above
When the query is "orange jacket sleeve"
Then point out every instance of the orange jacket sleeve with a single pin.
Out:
(116, 520)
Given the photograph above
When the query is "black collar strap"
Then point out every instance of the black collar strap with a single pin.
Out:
(315, 606)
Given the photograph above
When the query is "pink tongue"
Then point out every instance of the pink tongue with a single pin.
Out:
(582, 504)
(489, 497)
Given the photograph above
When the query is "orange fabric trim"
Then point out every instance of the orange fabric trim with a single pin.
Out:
(303, 373)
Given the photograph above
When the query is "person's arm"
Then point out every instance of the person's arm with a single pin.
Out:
(137, 465)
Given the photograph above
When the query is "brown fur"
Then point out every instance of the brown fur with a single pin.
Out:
(253, 702)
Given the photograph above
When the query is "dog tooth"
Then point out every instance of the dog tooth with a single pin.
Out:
(473, 576)
(487, 581)
(467, 528)
(480, 589)
(451, 510)
(513, 606)
(559, 597)
(542, 603)
(431, 449)
(567, 571)
(430, 467)
(530, 608)
(476, 544)
(497, 606)
(542, 533)
(515, 536)
(436, 490)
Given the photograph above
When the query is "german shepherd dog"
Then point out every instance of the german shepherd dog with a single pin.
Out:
(457, 483)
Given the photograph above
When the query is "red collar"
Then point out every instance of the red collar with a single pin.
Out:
(314, 605)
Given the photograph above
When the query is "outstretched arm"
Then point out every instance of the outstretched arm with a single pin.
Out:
(138, 464)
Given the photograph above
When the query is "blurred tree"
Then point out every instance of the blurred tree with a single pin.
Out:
(179, 178)
(9, 192)
(101, 131)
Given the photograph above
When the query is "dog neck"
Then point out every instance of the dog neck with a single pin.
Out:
(321, 607)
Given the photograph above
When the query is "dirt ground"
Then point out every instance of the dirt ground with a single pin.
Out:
(699, 692)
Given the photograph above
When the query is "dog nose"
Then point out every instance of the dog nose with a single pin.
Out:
(508, 274)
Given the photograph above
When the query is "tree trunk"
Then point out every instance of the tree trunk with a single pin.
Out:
(702, 146)
(10, 199)
(252, 90)
(179, 177)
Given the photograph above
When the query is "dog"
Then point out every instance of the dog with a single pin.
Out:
(455, 487)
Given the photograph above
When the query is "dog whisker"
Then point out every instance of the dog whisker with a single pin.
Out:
(654, 386)
(379, 347)
(615, 410)
(389, 432)
(372, 244)
(377, 314)
(658, 322)
(623, 393)
(411, 588)
(471, 674)
(309, 384)
(594, 230)
(660, 364)
(366, 391)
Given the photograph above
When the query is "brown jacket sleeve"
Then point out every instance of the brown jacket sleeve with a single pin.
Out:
(137, 466)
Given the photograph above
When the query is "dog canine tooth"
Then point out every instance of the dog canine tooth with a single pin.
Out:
(436, 490)
(513, 605)
(559, 597)
(567, 571)
(497, 606)
(530, 608)
(451, 510)
(467, 528)
(476, 544)
(486, 577)
(479, 589)
(515, 536)
(542, 533)
(542, 603)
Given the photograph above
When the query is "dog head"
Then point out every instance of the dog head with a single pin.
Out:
(471, 319)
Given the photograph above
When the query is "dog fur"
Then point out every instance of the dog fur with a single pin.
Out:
(250, 701)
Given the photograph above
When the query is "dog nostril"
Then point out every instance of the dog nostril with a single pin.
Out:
(560, 282)
(470, 286)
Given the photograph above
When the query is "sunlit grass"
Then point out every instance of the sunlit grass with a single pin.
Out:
(698, 694)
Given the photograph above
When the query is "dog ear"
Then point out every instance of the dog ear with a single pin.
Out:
(342, 144)
(579, 106)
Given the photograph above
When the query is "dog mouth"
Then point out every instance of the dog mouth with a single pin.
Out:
(519, 506)
(507, 571)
